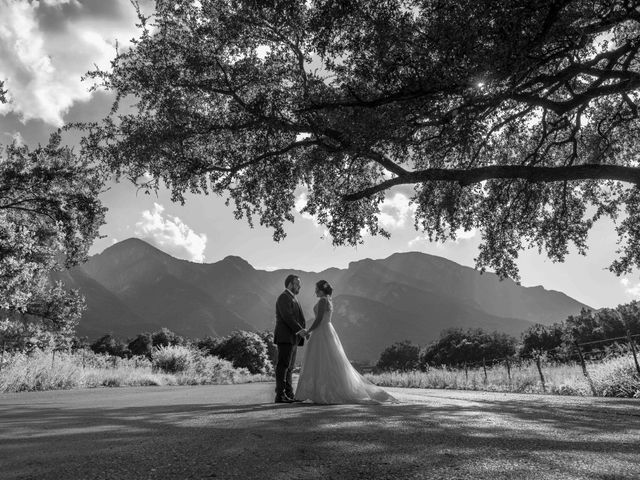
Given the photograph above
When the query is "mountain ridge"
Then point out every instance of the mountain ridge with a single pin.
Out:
(408, 295)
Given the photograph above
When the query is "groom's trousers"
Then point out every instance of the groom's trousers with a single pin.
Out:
(284, 368)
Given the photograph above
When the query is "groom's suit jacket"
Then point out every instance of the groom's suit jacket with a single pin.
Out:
(289, 320)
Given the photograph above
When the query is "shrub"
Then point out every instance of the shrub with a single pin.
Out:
(172, 359)
(272, 349)
(211, 369)
(616, 377)
(245, 350)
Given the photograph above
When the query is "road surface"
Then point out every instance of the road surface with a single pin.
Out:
(235, 431)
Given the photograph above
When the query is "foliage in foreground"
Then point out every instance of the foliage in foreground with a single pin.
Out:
(515, 117)
(42, 370)
(50, 214)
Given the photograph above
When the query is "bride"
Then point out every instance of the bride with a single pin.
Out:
(327, 376)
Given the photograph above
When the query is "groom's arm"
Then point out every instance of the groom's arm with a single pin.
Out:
(286, 308)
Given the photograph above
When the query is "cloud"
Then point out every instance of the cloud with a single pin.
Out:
(633, 290)
(46, 46)
(171, 235)
(461, 235)
(301, 201)
(15, 137)
(394, 211)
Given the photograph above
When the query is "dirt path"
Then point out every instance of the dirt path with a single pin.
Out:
(236, 432)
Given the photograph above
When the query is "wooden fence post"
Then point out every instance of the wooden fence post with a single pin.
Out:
(83, 360)
(544, 388)
(53, 357)
(466, 372)
(508, 370)
(2, 356)
(484, 367)
(633, 350)
(584, 369)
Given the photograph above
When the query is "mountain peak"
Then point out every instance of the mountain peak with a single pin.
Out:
(237, 262)
(133, 247)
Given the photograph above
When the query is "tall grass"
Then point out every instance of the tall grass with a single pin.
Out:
(612, 377)
(44, 370)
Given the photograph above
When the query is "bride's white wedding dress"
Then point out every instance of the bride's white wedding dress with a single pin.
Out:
(327, 376)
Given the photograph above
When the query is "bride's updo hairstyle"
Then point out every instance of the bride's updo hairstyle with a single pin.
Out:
(324, 287)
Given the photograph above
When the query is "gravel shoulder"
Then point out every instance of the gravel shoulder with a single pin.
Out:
(235, 431)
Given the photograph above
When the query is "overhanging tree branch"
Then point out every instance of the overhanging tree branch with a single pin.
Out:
(531, 174)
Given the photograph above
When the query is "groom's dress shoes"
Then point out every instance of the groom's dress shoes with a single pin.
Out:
(283, 399)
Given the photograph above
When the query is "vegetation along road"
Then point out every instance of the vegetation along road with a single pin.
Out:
(234, 431)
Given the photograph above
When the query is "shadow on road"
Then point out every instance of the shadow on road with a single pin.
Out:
(439, 438)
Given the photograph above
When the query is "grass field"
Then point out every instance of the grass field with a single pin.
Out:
(615, 377)
(42, 370)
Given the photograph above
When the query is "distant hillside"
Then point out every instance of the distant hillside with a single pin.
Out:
(133, 287)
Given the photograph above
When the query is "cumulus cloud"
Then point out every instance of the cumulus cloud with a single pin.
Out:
(461, 235)
(171, 235)
(15, 137)
(301, 201)
(46, 46)
(633, 290)
(395, 211)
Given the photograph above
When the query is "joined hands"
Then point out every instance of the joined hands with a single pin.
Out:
(304, 333)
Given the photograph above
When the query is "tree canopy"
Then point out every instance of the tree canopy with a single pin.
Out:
(49, 216)
(515, 117)
(402, 356)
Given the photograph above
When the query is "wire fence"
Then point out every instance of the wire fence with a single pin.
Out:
(579, 355)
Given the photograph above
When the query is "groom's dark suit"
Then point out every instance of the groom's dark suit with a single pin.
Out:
(289, 321)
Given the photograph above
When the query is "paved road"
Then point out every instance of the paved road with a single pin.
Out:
(235, 431)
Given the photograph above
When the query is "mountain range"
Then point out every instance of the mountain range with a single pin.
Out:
(133, 287)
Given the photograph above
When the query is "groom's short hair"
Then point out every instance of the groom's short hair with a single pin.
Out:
(289, 279)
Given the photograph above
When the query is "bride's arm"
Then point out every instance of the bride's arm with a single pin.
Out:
(322, 307)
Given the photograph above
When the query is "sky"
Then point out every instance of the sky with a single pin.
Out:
(46, 47)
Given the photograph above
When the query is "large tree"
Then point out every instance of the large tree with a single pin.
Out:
(49, 216)
(515, 117)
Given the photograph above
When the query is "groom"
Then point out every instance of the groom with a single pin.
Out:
(289, 333)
